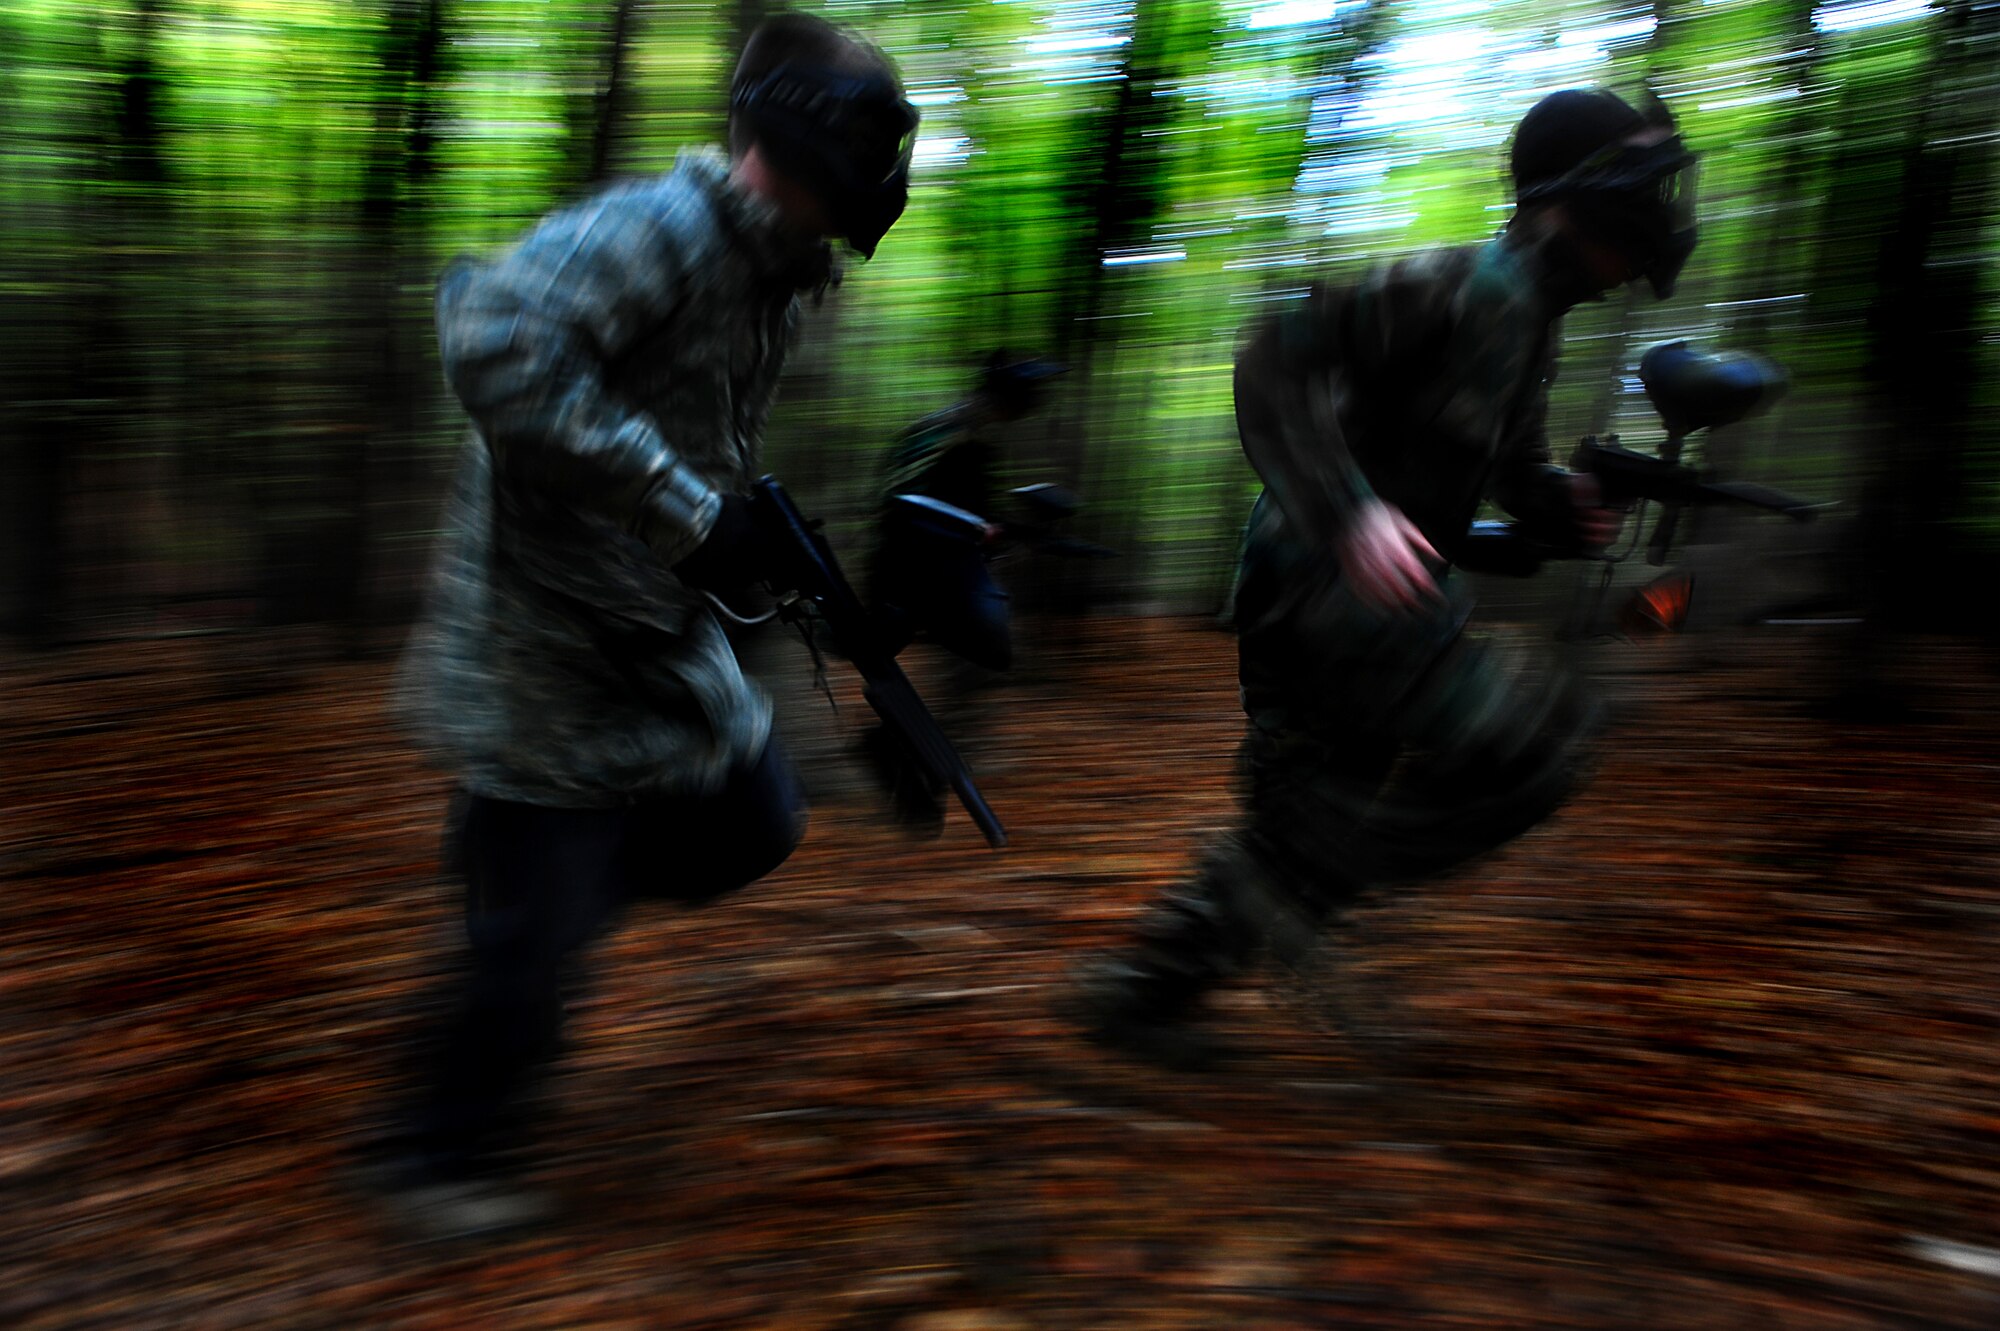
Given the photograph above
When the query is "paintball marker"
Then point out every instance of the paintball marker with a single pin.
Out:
(869, 641)
(1691, 391)
(1041, 507)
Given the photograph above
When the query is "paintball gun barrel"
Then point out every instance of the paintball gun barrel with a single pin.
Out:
(808, 564)
(1626, 476)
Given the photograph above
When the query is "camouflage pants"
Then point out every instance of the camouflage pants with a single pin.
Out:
(1443, 745)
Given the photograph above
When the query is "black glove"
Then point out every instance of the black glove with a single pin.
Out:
(735, 553)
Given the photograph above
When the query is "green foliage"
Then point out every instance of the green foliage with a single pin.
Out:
(1128, 180)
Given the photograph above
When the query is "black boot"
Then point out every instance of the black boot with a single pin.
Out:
(1147, 1003)
(919, 803)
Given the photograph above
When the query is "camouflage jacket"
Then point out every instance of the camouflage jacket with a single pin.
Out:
(618, 365)
(1424, 385)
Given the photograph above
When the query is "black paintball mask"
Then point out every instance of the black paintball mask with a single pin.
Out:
(846, 137)
(1633, 188)
(1015, 384)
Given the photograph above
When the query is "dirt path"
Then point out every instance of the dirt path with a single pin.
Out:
(1715, 1048)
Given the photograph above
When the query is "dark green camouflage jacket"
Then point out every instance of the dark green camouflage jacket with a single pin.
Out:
(1424, 385)
(618, 365)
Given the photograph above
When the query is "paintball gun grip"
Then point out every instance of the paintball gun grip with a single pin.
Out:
(1663, 534)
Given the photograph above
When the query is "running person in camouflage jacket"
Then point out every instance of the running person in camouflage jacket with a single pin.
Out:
(1387, 743)
(618, 365)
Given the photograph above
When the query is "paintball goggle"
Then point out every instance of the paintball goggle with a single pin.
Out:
(1015, 381)
(847, 137)
(1639, 193)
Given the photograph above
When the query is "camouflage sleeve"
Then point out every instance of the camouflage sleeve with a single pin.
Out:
(918, 452)
(525, 342)
(1290, 382)
(1305, 369)
(1525, 482)
(1497, 364)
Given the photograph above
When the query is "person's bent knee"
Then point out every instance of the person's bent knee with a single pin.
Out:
(749, 856)
(704, 849)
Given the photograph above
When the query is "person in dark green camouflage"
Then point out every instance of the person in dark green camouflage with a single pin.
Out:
(1386, 742)
(618, 364)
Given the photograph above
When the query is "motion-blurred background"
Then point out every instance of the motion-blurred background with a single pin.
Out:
(220, 221)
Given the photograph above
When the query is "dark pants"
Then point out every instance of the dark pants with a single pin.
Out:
(1417, 748)
(542, 883)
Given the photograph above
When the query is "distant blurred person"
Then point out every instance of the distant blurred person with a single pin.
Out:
(953, 456)
(618, 365)
(1385, 742)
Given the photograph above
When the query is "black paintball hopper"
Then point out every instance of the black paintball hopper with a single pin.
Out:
(1700, 390)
